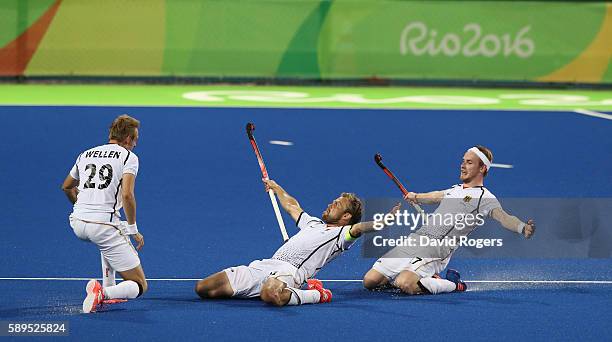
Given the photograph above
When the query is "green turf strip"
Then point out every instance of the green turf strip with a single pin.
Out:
(303, 97)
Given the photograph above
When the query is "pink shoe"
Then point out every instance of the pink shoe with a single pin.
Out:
(114, 301)
(95, 296)
(316, 284)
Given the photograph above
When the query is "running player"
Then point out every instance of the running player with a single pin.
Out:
(413, 275)
(277, 280)
(100, 183)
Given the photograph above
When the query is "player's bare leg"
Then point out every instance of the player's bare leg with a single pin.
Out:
(276, 292)
(136, 275)
(408, 282)
(374, 279)
(134, 284)
(215, 286)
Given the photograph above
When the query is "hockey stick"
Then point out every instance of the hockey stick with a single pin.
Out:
(264, 172)
(378, 160)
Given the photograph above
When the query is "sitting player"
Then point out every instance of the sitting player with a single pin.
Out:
(277, 280)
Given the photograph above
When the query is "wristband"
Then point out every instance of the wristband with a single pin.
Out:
(128, 229)
(348, 237)
(520, 227)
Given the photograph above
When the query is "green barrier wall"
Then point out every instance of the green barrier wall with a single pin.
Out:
(307, 39)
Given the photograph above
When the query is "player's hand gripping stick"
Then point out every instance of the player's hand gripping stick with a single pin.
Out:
(264, 172)
(378, 160)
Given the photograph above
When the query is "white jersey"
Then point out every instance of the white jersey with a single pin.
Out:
(457, 202)
(99, 171)
(314, 245)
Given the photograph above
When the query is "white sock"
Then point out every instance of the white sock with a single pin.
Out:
(108, 274)
(124, 290)
(436, 286)
(299, 297)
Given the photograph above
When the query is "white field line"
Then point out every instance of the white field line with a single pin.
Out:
(593, 113)
(502, 166)
(281, 142)
(358, 280)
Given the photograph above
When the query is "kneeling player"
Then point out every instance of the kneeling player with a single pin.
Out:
(413, 275)
(277, 280)
(101, 182)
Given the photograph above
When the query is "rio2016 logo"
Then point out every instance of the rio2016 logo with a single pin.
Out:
(418, 39)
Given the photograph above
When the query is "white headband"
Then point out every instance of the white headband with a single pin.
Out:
(482, 157)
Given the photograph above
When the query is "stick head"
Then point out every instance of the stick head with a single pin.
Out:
(378, 160)
(250, 127)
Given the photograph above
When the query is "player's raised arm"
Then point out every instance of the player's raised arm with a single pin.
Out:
(288, 203)
(513, 223)
(70, 188)
(433, 197)
(368, 226)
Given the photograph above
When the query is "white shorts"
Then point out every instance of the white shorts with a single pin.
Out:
(117, 249)
(423, 267)
(246, 281)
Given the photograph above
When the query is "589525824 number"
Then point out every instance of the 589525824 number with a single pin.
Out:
(34, 328)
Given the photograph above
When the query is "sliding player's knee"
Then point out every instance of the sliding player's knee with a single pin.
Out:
(143, 286)
(214, 286)
(408, 286)
(373, 279)
(203, 289)
(272, 292)
(370, 282)
(271, 297)
(208, 288)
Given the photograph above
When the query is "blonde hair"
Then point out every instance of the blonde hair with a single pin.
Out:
(122, 127)
(487, 152)
(354, 207)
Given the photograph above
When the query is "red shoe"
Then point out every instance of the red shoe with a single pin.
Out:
(315, 284)
(461, 287)
(114, 301)
(95, 296)
(455, 277)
